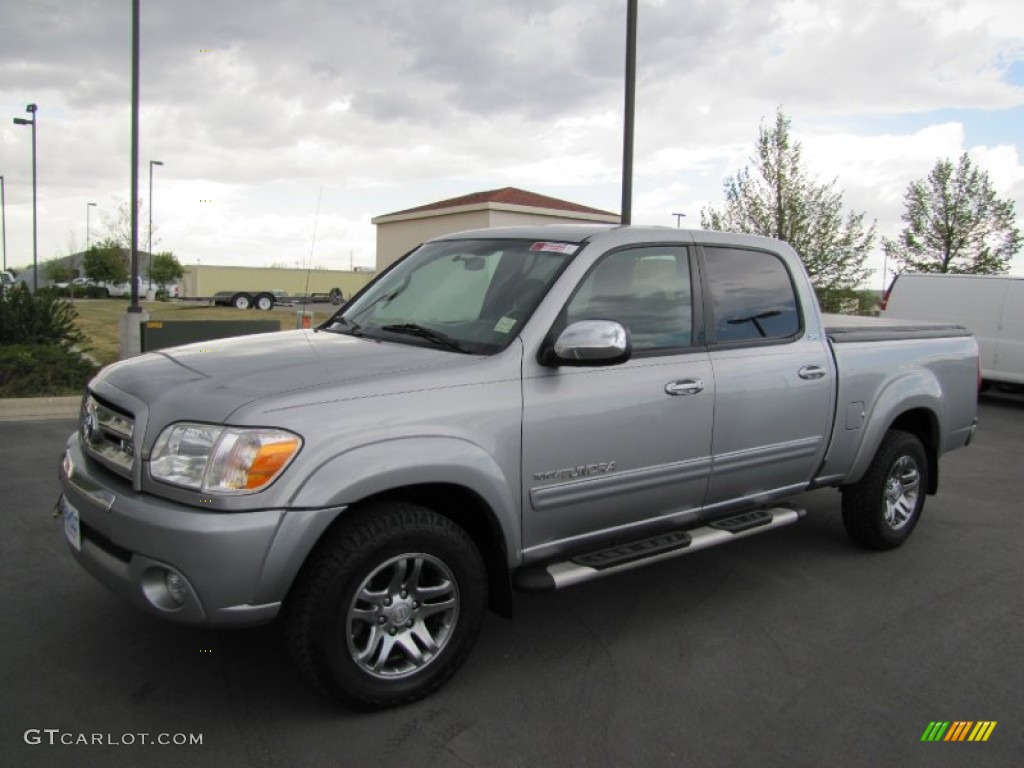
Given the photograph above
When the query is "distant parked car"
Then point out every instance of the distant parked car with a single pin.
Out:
(116, 290)
(6, 278)
(78, 282)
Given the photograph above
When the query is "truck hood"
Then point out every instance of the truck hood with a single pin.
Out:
(208, 381)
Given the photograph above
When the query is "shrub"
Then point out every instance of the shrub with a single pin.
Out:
(37, 333)
(34, 370)
(37, 318)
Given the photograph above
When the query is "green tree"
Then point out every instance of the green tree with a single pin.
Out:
(777, 198)
(953, 222)
(106, 262)
(58, 270)
(165, 268)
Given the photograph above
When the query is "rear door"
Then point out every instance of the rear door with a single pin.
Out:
(774, 380)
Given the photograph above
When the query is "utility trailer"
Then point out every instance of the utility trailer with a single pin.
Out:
(266, 299)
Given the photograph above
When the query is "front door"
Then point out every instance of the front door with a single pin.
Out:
(607, 449)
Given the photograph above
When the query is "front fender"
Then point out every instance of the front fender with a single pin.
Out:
(400, 462)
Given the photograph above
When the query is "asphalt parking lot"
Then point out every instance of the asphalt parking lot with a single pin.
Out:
(788, 649)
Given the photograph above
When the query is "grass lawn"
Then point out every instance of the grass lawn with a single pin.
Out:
(100, 320)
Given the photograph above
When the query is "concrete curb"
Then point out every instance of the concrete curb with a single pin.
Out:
(39, 408)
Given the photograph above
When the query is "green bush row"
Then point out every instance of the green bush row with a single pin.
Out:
(37, 370)
(78, 292)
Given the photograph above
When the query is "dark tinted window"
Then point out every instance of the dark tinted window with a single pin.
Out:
(752, 296)
(645, 289)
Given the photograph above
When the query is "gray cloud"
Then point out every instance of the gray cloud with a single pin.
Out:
(457, 95)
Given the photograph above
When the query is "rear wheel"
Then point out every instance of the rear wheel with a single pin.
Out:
(241, 301)
(264, 302)
(881, 510)
(388, 607)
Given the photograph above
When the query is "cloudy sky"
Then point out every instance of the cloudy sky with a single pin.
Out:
(264, 113)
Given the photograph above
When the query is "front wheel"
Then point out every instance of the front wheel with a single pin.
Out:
(388, 607)
(881, 510)
(264, 302)
(241, 301)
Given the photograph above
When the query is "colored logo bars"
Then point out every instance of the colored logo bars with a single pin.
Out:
(958, 730)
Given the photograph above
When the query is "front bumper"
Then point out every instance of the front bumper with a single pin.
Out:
(235, 567)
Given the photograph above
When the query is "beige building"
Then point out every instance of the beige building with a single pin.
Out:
(399, 232)
(206, 280)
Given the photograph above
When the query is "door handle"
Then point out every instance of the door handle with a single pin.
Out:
(812, 372)
(685, 387)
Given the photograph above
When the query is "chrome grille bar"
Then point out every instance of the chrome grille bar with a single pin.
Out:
(107, 435)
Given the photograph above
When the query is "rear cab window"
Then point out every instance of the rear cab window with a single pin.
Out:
(752, 297)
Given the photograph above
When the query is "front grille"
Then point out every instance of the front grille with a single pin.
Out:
(108, 435)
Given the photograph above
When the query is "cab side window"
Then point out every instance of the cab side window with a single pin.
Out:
(752, 296)
(645, 289)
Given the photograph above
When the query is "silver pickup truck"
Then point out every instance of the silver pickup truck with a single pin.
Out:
(520, 408)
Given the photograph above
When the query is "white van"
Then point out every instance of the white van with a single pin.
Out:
(991, 307)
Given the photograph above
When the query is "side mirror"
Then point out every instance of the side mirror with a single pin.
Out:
(590, 342)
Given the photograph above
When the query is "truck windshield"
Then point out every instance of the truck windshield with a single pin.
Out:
(468, 296)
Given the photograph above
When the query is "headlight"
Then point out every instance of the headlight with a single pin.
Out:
(206, 457)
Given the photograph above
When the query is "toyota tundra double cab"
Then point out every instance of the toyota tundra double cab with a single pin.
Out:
(502, 409)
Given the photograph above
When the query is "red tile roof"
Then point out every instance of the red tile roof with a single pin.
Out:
(507, 196)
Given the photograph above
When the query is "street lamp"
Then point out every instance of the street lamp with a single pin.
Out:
(149, 248)
(679, 218)
(87, 230)
(31, 109)
(3, 219)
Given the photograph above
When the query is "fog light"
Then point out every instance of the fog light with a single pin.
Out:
(176, 587)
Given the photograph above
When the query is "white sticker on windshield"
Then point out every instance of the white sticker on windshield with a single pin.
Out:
(555, 247)
(504, 325)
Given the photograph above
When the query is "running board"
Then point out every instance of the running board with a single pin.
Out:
(623, 557)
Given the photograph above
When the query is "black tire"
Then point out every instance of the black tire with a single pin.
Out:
(265, 302)
(393, 580)
(241, 301)
(881, 510)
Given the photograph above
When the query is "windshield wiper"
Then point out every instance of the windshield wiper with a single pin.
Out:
(414, 329)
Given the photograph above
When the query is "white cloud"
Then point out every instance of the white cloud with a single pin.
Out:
(394, 104)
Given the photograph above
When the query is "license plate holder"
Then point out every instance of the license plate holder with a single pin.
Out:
(72, 524)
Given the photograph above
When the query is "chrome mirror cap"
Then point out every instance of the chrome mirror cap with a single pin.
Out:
(591, 342)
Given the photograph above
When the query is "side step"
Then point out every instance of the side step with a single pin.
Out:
(623, 557)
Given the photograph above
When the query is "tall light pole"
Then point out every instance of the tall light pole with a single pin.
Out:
(31, 109)
(679, 218)
(3, 219)
(149, 248)
(87, 229)
(630, 103)
(133, 307)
